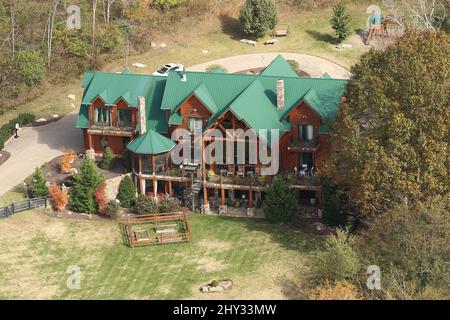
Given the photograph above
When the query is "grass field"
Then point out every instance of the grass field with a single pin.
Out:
(265, 261)
(310, 33)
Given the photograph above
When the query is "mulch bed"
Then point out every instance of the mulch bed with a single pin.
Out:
(52, 170)
(48, 119)
(259, 70)
(4, 155)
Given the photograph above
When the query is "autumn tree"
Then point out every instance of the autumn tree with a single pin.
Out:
(101, 198)
(67, 161)
(59, 196)
(335, 291)
(392, 134)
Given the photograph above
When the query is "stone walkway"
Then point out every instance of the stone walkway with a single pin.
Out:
(312, 65)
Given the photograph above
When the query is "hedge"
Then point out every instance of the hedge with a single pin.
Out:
(6, 130)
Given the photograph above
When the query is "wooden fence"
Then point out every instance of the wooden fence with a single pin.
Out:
(22, 206)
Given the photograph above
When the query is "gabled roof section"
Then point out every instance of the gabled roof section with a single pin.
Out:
(175, 119)
(83, 117)
(326, 76)
(151, 143)
(202, 93)
(113, 86)
(279, 67)
(257, 111)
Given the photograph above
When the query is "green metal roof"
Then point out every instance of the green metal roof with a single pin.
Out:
(151, 143)
(111, 87)
(202, 93)
(175, 119)
(257, 111)
(279, 67)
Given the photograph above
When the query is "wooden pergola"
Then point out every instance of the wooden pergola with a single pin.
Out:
(155, 229)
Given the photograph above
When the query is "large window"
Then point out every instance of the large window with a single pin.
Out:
(102, 116)
(305, 132)
(195, 124)
(124, 118)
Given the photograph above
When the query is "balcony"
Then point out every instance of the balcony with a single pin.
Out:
(119, 129)
(298, 145)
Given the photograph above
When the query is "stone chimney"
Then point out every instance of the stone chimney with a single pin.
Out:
(141, 115)
(280, 94)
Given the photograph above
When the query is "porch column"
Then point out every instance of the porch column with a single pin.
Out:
(170, 188)
(155, 189)
(142, 185)
(250, 198)
(140, 165)
(153, 164)
(205, 190)
(90, 143)
(222, 196)
(132, 163)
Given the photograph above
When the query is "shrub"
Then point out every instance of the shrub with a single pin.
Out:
(100, 197)
(338, 261)
(167, 4)
(340, 22)
(169, 204)
(127, 193)
(31, 67)
(126, 160)
(109, 38)
(281, 203)
(145, 205)
(335, 291)
(25, 118)
(60, 196)
(38, 184)
(216, 68)
(294, 65)
(258, 16)
(85, 183)
(112, 209)
(108, 159)
(67, 160)
(334, 206)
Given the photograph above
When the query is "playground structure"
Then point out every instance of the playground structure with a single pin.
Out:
(155, 229)
(382, 29)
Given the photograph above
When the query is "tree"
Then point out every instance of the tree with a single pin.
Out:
(127, 193)
(258, 16)
(67, 161)
(338, 261)
(340, 22)
(101, 198)
(38, 184)
(60, 196)
(335, 291)
(281, 204)
(411, 246)
(334, 205)
(85, 183)
(31, 67)
(108, 159)
(392, 133)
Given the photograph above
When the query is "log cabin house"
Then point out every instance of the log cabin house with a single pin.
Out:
(139, 113)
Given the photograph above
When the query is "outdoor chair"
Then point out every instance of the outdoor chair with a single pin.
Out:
(241, 171)
(230, 170)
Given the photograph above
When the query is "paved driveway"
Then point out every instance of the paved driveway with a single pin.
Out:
(36, 146)
(312, 65)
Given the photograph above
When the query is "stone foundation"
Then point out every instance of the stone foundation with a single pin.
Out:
(112, 186)
(223, 209)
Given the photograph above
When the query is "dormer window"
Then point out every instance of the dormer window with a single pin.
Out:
(102, 116)
(195, 124)
(305, 132)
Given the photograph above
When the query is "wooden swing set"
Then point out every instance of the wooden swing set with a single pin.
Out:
(155, 229)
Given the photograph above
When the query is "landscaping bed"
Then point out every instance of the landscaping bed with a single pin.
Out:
(4, 155)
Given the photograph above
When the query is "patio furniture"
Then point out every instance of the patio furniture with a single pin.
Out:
(281, 30)
(223, 172)
(241, 171)
(230, 170)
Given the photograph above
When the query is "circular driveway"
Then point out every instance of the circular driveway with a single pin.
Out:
(312, 65)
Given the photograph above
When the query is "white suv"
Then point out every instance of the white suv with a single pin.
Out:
(164, 71)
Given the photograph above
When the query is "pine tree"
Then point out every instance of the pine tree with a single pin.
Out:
(38, 184)
(108, 159)
(340, 22)
(85, 183)
(127, 193)
(258, 16)
(281, 204)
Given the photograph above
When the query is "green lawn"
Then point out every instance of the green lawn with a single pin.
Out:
(265, 261)
(310, 33)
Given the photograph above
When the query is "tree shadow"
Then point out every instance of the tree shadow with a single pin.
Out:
(231, 26)
(362, 34)
(323, 37)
